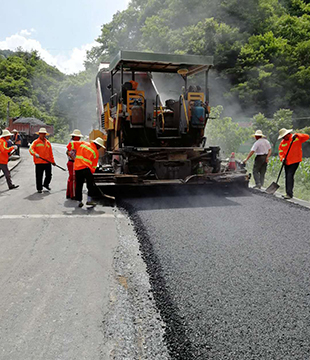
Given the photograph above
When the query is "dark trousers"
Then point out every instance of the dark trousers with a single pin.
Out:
(289, 177)
(7, 174)
(40, 169)
(259, 169)
(81, 176)
(17, 150)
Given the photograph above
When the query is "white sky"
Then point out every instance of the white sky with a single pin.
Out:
(61, 31)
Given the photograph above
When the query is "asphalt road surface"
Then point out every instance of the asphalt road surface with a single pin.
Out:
(55, 263)
(230, 272)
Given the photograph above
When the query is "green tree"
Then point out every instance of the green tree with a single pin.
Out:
(270, 127)
(222, 131)
(75, 102)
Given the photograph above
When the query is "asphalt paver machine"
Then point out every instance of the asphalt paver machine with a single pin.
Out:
(155, 135)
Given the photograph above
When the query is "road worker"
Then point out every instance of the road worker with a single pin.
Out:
(294, 156)
(262, 149)
(41, 150)
(71, 153)
(85, 164)
(4, 157)
(17, 140)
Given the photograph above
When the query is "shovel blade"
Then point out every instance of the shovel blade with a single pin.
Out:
(271, 189)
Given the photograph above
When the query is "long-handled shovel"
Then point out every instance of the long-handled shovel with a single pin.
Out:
(103, 194)
(52, 163)
(271, 189)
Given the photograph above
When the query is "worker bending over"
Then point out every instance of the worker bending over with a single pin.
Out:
(71, 153)
(85, 164)
(262, 149)
(294, 156)
(4, 157)
(41, 150)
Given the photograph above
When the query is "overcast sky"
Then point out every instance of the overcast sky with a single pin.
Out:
(61, 30)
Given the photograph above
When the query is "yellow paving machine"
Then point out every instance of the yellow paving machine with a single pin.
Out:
(153, 118)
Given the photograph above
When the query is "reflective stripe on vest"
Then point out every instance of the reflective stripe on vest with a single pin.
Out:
(90, 149)
(84, 159)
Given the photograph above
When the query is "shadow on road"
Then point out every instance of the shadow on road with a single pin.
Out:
(84, 211)
(36, 196)
(180, 197)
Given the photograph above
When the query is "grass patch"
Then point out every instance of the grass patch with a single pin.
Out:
(302, 175)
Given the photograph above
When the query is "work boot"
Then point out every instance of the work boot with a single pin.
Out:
(257, 187)
(47, 187)
(81, 204)
(13, 187)
(40, 191)
(286, 197)
(91, 203)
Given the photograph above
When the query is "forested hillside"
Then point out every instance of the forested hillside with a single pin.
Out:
(261, 52)
(261, 47)
(35, 89)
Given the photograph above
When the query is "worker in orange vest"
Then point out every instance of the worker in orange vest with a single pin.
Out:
(71, 153)
(85, 164)
(41, 149)
(294, 156)
(4, 157)
(17, 140)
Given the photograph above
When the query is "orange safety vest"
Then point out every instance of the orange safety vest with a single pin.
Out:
(4, 151)
(87, 156)
(44, 149)
(295, 154)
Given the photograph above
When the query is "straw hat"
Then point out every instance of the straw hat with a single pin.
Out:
(14, 131)
(5, 133)
(284, 132)
(99, 142)
(77, 132)
(42, 131)
(259, 133)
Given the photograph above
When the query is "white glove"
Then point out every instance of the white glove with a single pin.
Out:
(37, 155)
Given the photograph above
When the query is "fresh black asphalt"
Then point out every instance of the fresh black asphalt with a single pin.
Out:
(229, 271)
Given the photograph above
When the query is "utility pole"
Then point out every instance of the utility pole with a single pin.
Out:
(8, 114)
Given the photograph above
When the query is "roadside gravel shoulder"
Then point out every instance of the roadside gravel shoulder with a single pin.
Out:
(132, 327)
(279, 196)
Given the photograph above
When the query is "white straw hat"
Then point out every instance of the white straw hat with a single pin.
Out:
(259, 133)
(77, 132)
(42, 131)
(284, 132)
(99, 142)
(6, 133)
(14, 131)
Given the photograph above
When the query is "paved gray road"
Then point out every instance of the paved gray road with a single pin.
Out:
(230, 273)
(55, 263)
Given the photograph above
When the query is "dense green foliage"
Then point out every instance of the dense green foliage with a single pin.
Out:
(270, 127)
(261, 47)
(225, 133)
(34, 89)
(261, 62)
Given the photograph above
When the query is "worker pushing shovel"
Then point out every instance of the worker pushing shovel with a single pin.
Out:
(290, 153)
